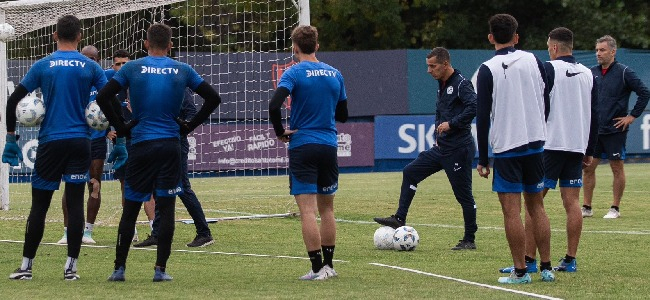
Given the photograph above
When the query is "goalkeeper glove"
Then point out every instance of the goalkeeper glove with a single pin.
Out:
(12, 153)
(119, 153)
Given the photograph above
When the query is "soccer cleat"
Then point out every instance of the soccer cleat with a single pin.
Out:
(118, 275)
(464, 245)
(64, 239)
(531, 267)
(391, 221)
(21, 274)
(201, 241)
(586, 212)
(547, 276)
(149, 241)
(514, 279)
(612, 214)
(567, 267)
(88, 237)
(159, 275)
(70, 275)
(324, 273)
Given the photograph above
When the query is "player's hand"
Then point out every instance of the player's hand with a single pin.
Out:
(286, 136)
(12, 153)
(586, 161)
(443, 127)
(483, 171)
(124, 129)
(623, 122)
(111, 135)
(185, 127)
(119, 154)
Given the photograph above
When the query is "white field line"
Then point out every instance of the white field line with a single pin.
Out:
(180, 250)
(632, 232)
(468, 282)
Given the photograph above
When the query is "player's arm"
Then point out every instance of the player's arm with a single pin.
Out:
(547, 89)
(111, 106)
(467, 97)
(10, 115)
(484, 100)
(341, 113)
(275, 113)
(212, 101)
(593, 128)
(641, 90)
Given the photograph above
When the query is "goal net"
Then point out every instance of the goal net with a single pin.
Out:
(240, 47)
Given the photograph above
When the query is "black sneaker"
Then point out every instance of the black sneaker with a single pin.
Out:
(149, 241)
(201, 241)
(21, 274)
(70, 275)
(391, 221)
(464, 245)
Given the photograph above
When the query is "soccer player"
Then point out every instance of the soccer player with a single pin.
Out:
(98, 146)
(318, 99)
(65, 78)
(203, 234)
(510, 115)
(156, 86)
(454, 149)
(615, 82)
(573, 104)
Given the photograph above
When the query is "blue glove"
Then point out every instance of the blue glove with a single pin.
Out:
(119, 154)
(12, 153)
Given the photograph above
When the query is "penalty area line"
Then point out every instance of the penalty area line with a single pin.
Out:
(468, 282)
(181, 251)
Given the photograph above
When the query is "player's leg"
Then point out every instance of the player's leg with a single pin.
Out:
(193, 206)
(618, 184)
(94, 193)
(166, 210)
(589, 178)
(458, 167)
(125, 232)
(152, 239)
(615, 147)
(150, 211)
(64, 208)
(328, 182)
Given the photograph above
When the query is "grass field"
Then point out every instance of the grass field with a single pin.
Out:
(262, 259)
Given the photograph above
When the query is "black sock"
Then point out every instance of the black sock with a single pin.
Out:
(615, 207)
(568, 259)
(520, 272)
(587, 207)
(316, 260)
(328, 254)
(529, 259)
(545, 265)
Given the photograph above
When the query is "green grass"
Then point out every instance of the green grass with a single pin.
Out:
(611, 265)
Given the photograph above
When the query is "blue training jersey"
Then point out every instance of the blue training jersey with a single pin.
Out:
(315, 88)
(156, 91)
(65, 79)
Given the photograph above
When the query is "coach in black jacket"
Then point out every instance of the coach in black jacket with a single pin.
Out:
(615, 83)
(454, 149)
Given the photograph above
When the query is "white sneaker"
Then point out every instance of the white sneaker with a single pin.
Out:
(88, 237)
(135, 236)
(330, 271)
(64, 239)
(612, 214)
(586, 212)
(323, 274)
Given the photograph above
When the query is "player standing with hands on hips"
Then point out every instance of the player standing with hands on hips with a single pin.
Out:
(318, 99)
(156, 86)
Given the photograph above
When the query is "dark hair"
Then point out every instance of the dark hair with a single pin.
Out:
(563, 36)
(121, 53)
(159, 36)
(503, 27)
(68, 28)
(91, 52)
(306, 38)
(441, 54)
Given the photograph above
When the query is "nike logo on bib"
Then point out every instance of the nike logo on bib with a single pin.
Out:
(568, 74)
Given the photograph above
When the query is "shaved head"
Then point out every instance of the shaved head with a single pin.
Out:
(90, 52)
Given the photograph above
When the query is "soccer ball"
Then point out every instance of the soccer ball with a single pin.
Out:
(406, 238)
(30, 111)
(384, 238)
(95, 117)
(6, 32)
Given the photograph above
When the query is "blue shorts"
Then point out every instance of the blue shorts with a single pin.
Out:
(611, 146)
(153, 167)
(68, 159)
(313, 169)
(98, 148)
(563, 165)
(516, 174)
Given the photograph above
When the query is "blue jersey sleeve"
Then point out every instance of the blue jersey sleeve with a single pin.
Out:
(193, 78)
(99, 77)
(343, 95)
(32, 79)
(121, 75)
(288, 80)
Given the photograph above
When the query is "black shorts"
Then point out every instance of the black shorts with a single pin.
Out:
(563, 165)
(518, 174)
(153, 166)
(611, 146)
(313, 169)
(68, 159)
(98, 148)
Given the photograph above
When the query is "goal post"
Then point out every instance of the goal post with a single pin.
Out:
(240, 47)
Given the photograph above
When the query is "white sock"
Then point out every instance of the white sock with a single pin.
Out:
(151, 224)
(27, 263)
(89, 227)
(71, 264)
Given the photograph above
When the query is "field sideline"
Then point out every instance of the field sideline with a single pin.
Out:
(262, 259)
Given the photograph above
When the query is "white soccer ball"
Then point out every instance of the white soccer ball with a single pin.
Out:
(384, 238)
(6, 32)
(95, 117)
(30, 111)
(406, 238)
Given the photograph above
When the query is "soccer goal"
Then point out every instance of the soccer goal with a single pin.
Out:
(241, 47)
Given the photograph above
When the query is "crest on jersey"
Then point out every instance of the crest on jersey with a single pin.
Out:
(450, 90)
(276, 72)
